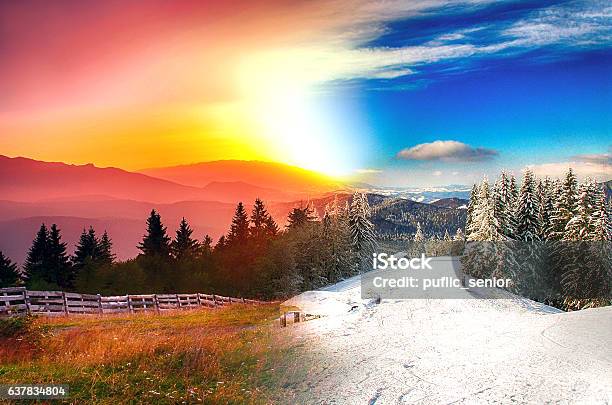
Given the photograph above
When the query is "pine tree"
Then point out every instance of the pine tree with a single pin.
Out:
(239, 230)
(459, 236)
(300, 216)
(565, 206)
(578, 228)
(418, 235)
(221, 244)
(503, 206)
(9, 276)
(262, 224)
(105, 247)
(529, 225)
(600, 221)
(87, 249)
(156, 242)
(271, 227)
(183, 246)
(484, 225)
(206, 247)
(36, 264)
(514, 193)
(60, 269)
(363, 237)
(470, 208)
(547, 209)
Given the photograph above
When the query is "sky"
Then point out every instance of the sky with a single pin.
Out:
(392, 93)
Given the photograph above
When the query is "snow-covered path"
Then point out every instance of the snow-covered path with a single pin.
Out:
(449, 351)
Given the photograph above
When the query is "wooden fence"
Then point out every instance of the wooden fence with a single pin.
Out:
(18, 302)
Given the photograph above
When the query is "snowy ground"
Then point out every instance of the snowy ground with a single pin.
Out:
(435, 351)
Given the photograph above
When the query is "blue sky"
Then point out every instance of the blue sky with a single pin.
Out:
(533, 88)
(401, 92)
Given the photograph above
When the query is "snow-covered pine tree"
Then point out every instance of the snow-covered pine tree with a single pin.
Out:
(503, 206)
(578, 228)
(418, 235)
(484, 225)
(565, 205)
(586, 271)
(514, 192)
(481, 256)
(547, 208)
(600, 221)
(528, 211)
(470, 208)
(363, 238)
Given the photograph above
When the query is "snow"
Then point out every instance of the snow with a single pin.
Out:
(448, 350)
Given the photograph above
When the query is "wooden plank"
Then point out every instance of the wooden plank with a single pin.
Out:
(11, 298)
(48, 300)
(45, 293)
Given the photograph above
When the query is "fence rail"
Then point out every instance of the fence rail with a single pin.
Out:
(18, 301)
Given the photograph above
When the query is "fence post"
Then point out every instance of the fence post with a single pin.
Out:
(156, 302)
(130, 307)
(26, 297)
(65, 303)
(214, 301)
(100, 304)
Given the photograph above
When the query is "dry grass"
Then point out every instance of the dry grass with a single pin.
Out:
(227, 355)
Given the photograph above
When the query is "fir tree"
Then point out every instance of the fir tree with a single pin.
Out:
(484, 225)
(529, 225)
(105, 247)
(300, 216)
(9, 276)
(239, 230)
(470, 208)
(600, 221)
(363, 238)
(36, 264)
(578, 228)
(206, 247)
(60, 269)
(459, 236)
(87, 249)
(565, 206)
(514, 193)
(271, 227)
(262, 224)
(503, 206)
(183, 246)
(156, 242)
(221, 244)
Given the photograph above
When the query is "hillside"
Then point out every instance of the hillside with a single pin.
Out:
(262, 174)
(441, 351)
(400, 216)
(29, 180)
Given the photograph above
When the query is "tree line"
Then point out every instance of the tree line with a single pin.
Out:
(254, 258)
(551, 237)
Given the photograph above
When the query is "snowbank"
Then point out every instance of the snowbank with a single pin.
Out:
(449, 350)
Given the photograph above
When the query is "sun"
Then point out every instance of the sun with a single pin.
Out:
(291, 124)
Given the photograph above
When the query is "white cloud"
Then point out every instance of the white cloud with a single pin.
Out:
(368, 171)
(599, 172)
(597, 158)
(437, 173)
(452, 151)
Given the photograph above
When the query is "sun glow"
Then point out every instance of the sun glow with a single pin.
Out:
(284, 108)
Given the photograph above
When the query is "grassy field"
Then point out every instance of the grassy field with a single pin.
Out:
(230, 355)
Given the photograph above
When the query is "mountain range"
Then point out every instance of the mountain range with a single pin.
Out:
(119, 201)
